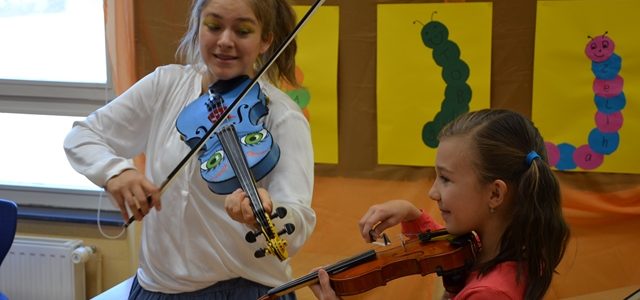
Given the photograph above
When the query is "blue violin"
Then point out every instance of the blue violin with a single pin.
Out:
(243, 124)
(240, 152)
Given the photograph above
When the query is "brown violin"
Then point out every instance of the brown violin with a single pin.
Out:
(432, 252)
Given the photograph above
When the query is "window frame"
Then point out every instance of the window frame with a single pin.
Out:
(55, 98)
(77, 99)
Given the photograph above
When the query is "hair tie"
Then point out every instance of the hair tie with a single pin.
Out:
(531, 156)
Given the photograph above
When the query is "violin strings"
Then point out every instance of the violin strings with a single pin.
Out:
(239, 164)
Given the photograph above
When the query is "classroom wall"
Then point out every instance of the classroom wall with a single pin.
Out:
(601, 252)
(602, 209)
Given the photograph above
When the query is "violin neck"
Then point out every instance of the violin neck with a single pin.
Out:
(312, 277)
(233, 150)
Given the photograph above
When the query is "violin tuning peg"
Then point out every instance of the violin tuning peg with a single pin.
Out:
(288, 229)
(251, 236)
(281, 212)
(260, 253)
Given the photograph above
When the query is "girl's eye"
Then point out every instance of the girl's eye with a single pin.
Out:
(443, 178)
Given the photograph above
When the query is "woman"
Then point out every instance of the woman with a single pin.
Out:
(193, 243)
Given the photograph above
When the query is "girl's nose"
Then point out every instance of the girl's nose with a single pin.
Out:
(433, 193)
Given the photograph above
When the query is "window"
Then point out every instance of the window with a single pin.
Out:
(53, 71)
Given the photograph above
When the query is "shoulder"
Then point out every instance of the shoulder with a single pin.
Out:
(500, 283)
(277, 96)
(175, 71)
(280, 104)
(170, 80)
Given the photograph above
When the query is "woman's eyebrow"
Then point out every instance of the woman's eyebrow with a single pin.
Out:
(240, 19)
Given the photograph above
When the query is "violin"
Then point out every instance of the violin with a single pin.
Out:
(256, 143)
(432, 252)
(241, 152)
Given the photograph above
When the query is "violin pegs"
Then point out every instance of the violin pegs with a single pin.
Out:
(281, 212)
(260, 253)
(288, 229)
(251, 236)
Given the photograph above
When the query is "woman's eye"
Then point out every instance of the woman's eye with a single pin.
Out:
(244, 31)
(213, 27)
(211, 23)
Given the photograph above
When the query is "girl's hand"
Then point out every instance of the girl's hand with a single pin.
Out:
(322, 290)
(130, 189)
(238, 206)
(382, 216)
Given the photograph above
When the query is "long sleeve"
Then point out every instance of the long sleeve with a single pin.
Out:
(101, 145)
(422, 224)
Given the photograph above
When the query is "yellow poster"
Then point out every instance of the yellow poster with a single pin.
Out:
(433, 64)
(317, 73)
(587, 84)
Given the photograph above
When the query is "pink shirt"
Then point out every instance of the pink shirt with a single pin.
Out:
(499, 284)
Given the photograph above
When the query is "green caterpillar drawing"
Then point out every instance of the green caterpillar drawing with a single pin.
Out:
(455, 73)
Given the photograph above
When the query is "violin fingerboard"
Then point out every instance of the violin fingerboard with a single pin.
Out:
(238, 161)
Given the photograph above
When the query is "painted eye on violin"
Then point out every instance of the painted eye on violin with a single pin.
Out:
(254, 137)
(213, 161)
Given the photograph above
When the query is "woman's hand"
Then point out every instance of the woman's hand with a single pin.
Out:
(238, 206)
(382, 216)
(131, 189)
(322, 290)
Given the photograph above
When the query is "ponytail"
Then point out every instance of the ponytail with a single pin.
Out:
(543, 232)
(278, 20)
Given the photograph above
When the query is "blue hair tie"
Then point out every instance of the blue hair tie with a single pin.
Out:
(531, 156)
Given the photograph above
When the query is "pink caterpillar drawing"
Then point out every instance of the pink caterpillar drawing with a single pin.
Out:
(609, 100)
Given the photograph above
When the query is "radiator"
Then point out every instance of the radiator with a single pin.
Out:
(44, 268)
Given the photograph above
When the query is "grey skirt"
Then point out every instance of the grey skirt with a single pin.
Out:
(232, 289)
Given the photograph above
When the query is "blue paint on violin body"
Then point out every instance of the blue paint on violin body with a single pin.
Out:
(259, 148)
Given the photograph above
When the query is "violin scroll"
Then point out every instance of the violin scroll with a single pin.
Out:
(276, 247)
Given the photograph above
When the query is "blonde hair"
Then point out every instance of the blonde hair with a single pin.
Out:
(277, 19)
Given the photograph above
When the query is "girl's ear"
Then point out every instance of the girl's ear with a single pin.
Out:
(499, 190)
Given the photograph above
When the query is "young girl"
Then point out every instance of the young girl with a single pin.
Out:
(194, 247)
(492, 178)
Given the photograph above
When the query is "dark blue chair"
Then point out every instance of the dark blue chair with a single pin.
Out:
(8, 223)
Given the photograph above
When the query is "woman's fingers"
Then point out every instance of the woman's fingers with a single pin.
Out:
(131, 191)
(239, 206)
